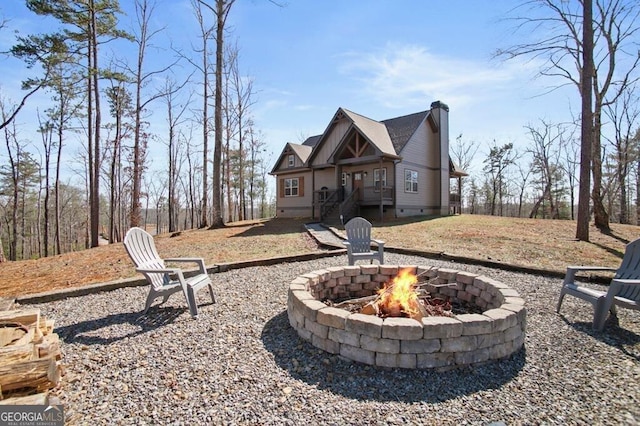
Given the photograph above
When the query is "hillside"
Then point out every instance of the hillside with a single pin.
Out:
(529, 242)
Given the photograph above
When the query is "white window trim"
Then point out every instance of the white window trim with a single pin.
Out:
(376, 178)
(409, 179)
(292, 160)
(290, 187)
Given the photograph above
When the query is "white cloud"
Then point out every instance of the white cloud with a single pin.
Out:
(404, 76)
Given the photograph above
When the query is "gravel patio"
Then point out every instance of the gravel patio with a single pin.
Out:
(241, 363)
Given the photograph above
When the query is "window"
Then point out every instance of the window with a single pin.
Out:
(292, 160)
(410, 181)
(376, 178)
(291, 187)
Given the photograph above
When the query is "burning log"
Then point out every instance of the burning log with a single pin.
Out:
(403, 296)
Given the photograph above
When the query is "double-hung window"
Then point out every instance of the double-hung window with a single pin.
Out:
(291, 187)
(410, 181)
(379, 177)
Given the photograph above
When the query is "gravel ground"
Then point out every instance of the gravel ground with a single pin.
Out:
(241, 363)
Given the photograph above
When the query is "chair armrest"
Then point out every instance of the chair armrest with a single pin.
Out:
(347, 244)
(198, 260)
(159, 271)
(378, 242)
(571, 271)
(625, 281)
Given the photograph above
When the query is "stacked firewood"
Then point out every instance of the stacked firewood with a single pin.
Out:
(29, 357)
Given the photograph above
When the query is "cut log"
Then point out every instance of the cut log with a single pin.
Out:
(46, 326)
(36, 399)
(12, 332)
(14, 354)
(25, 317)
(49, 347)
(39, 375)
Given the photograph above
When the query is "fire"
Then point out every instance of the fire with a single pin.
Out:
(399, 297)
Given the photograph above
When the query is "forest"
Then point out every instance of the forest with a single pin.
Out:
(214, 162)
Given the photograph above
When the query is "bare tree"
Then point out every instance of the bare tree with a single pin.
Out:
(243, 94)
(546, 139)
(175, 117)
(221, 11)
(144, 34)
(496, 164)
(463, 152)
(625, 117)
(206, 34)
(570, 163)
(523, 182)
(572, 51)
(121, 107)
(46, 130)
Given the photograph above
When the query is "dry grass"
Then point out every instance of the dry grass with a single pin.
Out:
(529, 242)
(548, 244)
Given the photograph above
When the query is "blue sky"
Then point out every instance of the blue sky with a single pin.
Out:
(379, 58)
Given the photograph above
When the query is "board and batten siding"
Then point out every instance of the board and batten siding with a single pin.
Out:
(331, 141)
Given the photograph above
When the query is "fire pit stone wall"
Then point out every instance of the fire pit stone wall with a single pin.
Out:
(435, 342)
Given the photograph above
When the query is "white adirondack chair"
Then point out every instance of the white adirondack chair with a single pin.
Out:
(359, 242)
(142, 250)
(623, 291)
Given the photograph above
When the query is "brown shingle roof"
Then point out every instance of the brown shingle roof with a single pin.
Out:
(402, 128)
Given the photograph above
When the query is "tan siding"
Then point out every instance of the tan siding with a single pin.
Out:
(334, 136)
(299, 206)
(418, 155)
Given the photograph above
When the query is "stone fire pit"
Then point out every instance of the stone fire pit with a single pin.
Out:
(435, 342)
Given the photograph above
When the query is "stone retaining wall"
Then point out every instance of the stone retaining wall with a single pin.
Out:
(434, 342)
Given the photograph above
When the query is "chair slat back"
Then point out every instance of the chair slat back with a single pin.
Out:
(630, 266)
(359, 234)
(142, 250)
(630, 269)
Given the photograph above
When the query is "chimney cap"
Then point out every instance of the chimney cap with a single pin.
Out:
(439, 104)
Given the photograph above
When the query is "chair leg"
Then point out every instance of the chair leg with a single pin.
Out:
(562, 293)
(600, 314)
(191, 300)
(213, 297)
(150, 298)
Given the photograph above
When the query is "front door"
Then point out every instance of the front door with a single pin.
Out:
(358, 183)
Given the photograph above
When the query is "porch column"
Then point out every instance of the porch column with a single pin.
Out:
(381, 194)
(313, 195)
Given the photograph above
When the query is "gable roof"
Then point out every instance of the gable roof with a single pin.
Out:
(301, 151)
(373, 130)
(388, 136)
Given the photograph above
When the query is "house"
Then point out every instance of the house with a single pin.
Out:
(359, 166)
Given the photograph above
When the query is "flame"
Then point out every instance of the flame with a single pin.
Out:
(399, 297)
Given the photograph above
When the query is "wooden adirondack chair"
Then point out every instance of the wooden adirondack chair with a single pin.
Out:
(359, 242)
(142, 250)
(623, 291)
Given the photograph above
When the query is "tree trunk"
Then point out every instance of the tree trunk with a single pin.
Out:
(586, 90)
(222, 9)
(601, 216)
